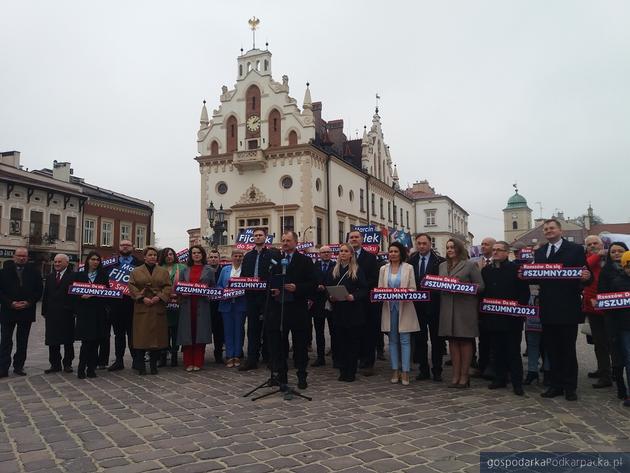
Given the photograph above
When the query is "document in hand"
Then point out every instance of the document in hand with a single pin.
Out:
(337, 292)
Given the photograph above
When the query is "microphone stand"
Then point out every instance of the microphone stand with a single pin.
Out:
(273, 379)
(286, 389)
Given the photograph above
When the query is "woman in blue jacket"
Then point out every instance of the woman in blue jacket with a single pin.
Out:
(233, 312)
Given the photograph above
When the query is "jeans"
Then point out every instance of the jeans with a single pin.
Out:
(398, 342)
(233, 322)
(623, 337)
(533, 352)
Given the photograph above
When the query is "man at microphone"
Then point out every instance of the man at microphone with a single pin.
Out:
(299, 282)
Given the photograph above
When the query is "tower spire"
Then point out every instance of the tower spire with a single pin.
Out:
(203, 121)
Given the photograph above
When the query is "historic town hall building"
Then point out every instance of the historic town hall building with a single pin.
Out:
(269, 162)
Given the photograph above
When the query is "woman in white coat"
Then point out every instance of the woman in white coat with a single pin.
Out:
(398, 318)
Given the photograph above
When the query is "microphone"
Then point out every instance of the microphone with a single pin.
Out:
(284, 263)
(273, 263)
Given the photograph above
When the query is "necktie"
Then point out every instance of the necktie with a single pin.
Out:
(256, 265)
(488, 261)
(324, 266)
(58, 279)
(423, 267)
(552, 251)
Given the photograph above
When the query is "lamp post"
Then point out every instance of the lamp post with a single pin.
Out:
(216, 219)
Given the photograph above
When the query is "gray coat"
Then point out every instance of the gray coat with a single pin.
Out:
(459, 312)
(204, 326)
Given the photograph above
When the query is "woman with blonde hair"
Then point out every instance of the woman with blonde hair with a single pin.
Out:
(347, 313)
(459, 312)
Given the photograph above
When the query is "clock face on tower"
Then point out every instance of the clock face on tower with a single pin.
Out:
(253, 123)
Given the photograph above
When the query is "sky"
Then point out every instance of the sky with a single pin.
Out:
(475, 95)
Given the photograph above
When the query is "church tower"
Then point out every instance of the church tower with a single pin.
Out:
(517, 217)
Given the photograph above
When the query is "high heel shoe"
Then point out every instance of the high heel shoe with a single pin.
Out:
(395, 377)
(404, 378)
(463, 385)
(452, 385)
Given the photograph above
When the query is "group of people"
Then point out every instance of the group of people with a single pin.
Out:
(155, 322)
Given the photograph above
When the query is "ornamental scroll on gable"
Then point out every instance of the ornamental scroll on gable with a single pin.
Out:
(253, 195)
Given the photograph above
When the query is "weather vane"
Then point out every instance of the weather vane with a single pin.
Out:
(378, 97)
(253, 24)
(515, 187)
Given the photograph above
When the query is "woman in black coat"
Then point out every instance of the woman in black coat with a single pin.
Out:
(609, 279)
(91, 311)
(348, 314)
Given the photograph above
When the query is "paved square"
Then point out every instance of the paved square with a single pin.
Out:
(198, 422)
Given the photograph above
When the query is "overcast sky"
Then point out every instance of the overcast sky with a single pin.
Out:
(474, 94)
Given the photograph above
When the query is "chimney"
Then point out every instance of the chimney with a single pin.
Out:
(10, 158)
(61, 171)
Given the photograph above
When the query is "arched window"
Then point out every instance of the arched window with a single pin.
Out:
(293, 138)
(214, 148)
(274, 128)
(240, 69)
(266, 65)
(249, 66)
(232, 134)
(515, 225)
(258, 65)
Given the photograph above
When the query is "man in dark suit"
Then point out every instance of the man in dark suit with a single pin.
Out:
(299, 287)
(561, 310)
(257, 263)
(122, 311)
(372, 328)
(20, 289)
(318, 311)
(57, 311)
(218, 335)
(426, 261)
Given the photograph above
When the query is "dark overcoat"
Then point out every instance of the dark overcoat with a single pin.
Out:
(11, 290)
(57, 309)
(91, 314)
(560, 299)
(204, 324)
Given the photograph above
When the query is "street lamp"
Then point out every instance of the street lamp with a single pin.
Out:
(216, 219)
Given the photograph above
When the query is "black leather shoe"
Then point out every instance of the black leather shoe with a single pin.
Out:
(530, 378)
(81, 374)
(423, 375)
(68, 369)
(570, 396)
(116, 366)
(101, 367)
(552, 392)
(437, 377)
(248, 366)
(593, 374)
(19, 372)
(602, 383)
(53, 369)
(91, 374)
(318, 362)
(518, 390)
(494, 385)
(302, 384)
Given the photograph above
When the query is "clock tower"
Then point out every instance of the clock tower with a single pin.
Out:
(517, 217)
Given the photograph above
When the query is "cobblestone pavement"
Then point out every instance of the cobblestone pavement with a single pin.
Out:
(197, 422)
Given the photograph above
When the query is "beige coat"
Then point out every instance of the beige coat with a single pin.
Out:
(459, 316)
(407, 318)
(150, 326)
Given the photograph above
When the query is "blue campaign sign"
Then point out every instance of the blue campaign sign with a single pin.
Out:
(372, 238)
(363, 228)
(247, 236)
(121, 273)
